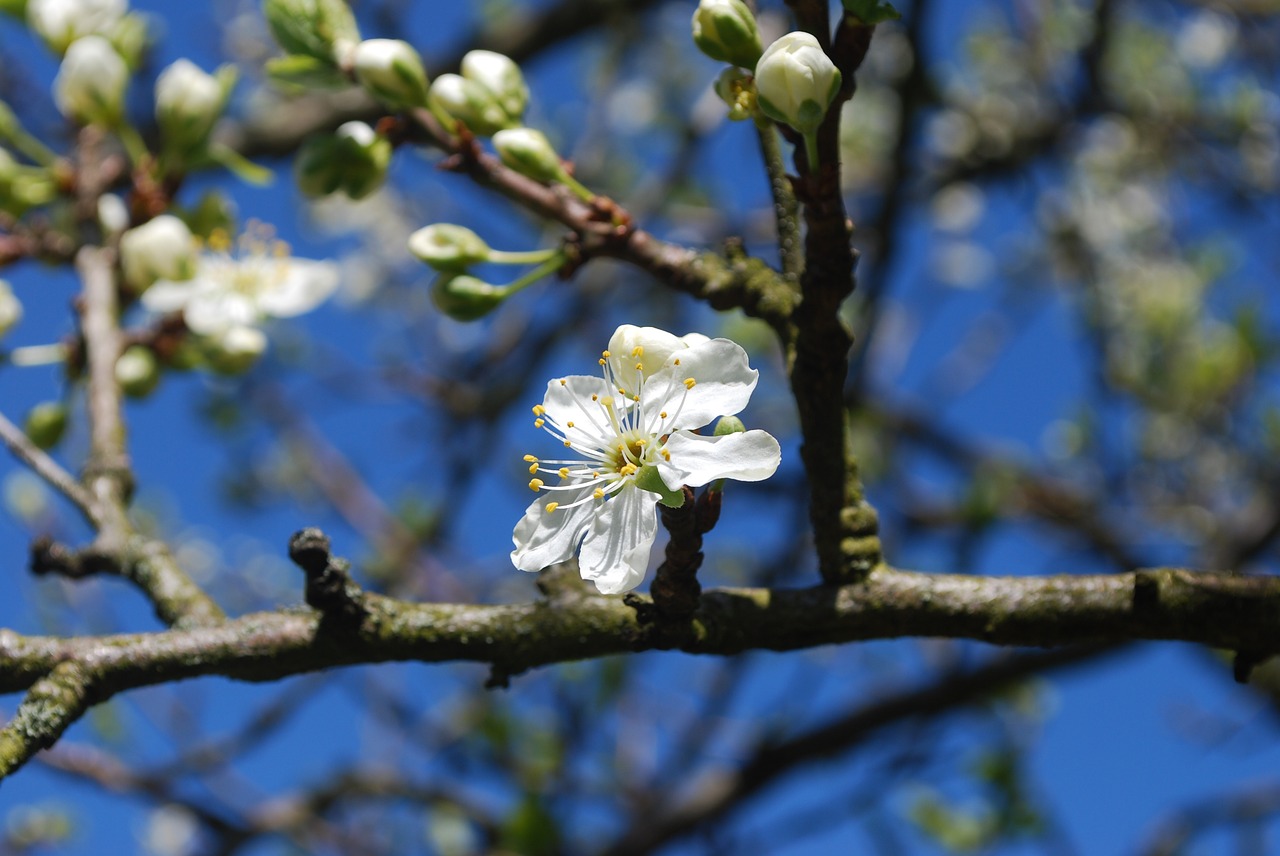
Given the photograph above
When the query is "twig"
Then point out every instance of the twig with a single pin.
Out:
(43, 465)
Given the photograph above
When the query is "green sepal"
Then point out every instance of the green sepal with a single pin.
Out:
(305, 72)
(649, 479)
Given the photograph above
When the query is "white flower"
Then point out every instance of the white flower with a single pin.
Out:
(161, 248)
(632, 431)
(91, 81)
(61, 22)
(796, 82)
(242, 289)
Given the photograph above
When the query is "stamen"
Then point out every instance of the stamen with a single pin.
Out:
(598, 493)
(538, 410)
(677, 362)
(564, 382)
(533, 468)
(637, 351)
(628, 470)
(606, 354)
(564, 472)
(530, 459)
(662, 415)
(568, 424)
(689, 383)
(535, 485)
(538, 423)
(551, 506)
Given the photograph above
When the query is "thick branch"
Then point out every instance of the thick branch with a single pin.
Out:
(1220, 610)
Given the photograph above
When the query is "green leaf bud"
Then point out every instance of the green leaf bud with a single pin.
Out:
(46, 423)
(137, 371)
(726, 30)
(448, 247)
(323, 29)
(391, 71)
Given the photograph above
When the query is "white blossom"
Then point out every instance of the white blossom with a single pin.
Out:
(243, 288)
(61, 22)
(91, 81)
(796, 82)
(632, 430)
(161, 248)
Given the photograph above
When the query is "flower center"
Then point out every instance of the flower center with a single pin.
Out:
(252, 263)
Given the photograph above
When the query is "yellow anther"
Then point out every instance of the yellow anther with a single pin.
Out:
(533, 468)
(637, 351)
(621, 391)
(538, 423)
(677, 362)
(535, 485)
(530, 459)
(689, 383)
(641, 441)
(219, 241)
(606, 354)
(564, 472)
(598, 493)
(568, 424)
(564, 382)
(567, 444)
(595, 474)
(663, 415)
(666, 455)
(538, 410)
(635, 398)
(628, 470)
(639, 367)
(600, 361)
(595, 397)
(551, 506)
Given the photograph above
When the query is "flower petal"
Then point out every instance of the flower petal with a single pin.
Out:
(169, 296)
(568, 399)
(543, 538)
(697, 460)
(723, 383)
(615, 554)
(211, 311)
(304, 287)
(656, 347)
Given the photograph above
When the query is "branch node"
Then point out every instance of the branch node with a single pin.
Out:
(330, 589)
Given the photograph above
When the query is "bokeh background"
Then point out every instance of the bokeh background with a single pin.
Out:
(1065, 363)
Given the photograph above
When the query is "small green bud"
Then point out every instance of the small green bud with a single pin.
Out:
(529, 153)
(502, 78)
(737, 89)
(10, 309)
(729, 425)
(137, 371)
(91, 81)
(353, 160)
(649, 479)
(447, 247)
(455, 99)
(235, 350)
(392, 71)
(726, 30)
(323, 29)
(46, 423)
(161, 248)
(796, 82)
(465, 298)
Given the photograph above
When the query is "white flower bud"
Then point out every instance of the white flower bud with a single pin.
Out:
(391, 70)
(530, 153)
(162, 248)
(137, 371)
(726, 30)
(188, 103)
(324, 29)
(500, 75)
(61, 22)
(796, 82)
(448, 247)
(90, 84)
(235, 350)
(454, 99)
(10, 309)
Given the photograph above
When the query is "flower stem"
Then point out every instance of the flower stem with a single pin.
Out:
(31, 147)
(133, 144)
(529, 257)
(811, 151)
(551, 265)
(39, 355)
(579, 189)
(785, 208)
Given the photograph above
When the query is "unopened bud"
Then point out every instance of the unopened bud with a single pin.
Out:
(137, 371)
(448, 247)
(10, 309)
(235, 350)
(189, 102)
(465, 298)
(455, 99)
(161, 248)
(796, 82)
(46, 423)
(500, 75)
(392, 71)
(726, 30)
(91, 81)
(353, 160)
(729, 425)
(530, 153)
(324, 29)
(61, 22)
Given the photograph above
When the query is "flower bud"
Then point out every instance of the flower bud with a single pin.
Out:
(796, 82)
(391, 71)
(162, 248)
(90, 84)
(353, 160)
(500, 75)
(455, 99)
(529, 152)
(137, 371)
(465, 298)
(10, 309)
(61, 22)
(736, 89)
(725, 30)
(323, 29)
(235, 350)
(23, 187)
(46, 423)
(448, 247)
(729, 425)
(189, 102)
